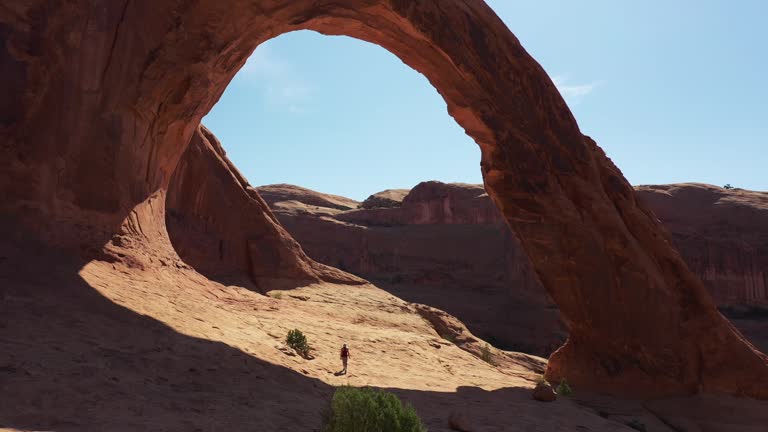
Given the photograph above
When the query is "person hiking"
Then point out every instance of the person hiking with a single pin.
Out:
(344, 357)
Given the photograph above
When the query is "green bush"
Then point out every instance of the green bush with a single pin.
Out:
(485, 354)
(365, 409)
(564, 389)
(450, 337)
(298, 341)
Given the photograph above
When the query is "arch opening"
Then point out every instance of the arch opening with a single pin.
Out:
(571, 206)
(437, 242)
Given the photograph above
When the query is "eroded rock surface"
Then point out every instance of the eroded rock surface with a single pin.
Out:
(721, 233)
(386, 198)
(101, 99)
(220, 226)
(445, 245)
(274, 193)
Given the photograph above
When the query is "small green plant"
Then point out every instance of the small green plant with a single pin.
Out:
(276, 295)
(354, 409)
(449, 337)
(636, 425)
(485, 354)
(298, 342)
(727, 186)
(563, 389)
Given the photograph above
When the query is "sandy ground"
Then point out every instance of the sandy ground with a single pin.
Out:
(98, 346)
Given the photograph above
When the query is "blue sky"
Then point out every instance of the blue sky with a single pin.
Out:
(673, 91)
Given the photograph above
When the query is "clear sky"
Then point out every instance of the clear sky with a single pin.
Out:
(674, 91)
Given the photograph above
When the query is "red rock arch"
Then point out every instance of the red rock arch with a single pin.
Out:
(101, 99)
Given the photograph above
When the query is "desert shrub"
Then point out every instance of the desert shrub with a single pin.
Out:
(356, 409)
(485, 354)
(563, 389)
(298, 341)
(450, 337)
(727, 186)
(276, 295)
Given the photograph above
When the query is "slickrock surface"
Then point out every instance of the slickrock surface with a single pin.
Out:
(444, 245)
(93, 345)
(307, 196)
(100, 101)
(386, 198)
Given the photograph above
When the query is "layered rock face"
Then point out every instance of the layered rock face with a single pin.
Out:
(101, 99)
(219, 225)
(445, 245)
(722, 234)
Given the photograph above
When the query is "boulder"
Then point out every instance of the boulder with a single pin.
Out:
(459, 421)
(544, 392)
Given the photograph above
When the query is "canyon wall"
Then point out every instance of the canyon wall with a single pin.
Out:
(447, 245)
(444, 245)
(721, 233)
(220, 226)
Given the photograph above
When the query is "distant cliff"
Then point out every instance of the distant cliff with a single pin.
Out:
(721, 233)
(440, 244)
(446, 245)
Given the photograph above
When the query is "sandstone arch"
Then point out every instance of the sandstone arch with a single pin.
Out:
(101, 99)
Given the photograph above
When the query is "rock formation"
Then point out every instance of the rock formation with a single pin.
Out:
(721, 233)
(386, 198)
(100, 101)
(219, 225)
(430, 203)
(274, 193)
(444, 245)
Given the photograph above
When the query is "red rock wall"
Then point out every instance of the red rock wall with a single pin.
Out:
(100, 100)
(722, 234)
(446, 246)
(220, 226)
